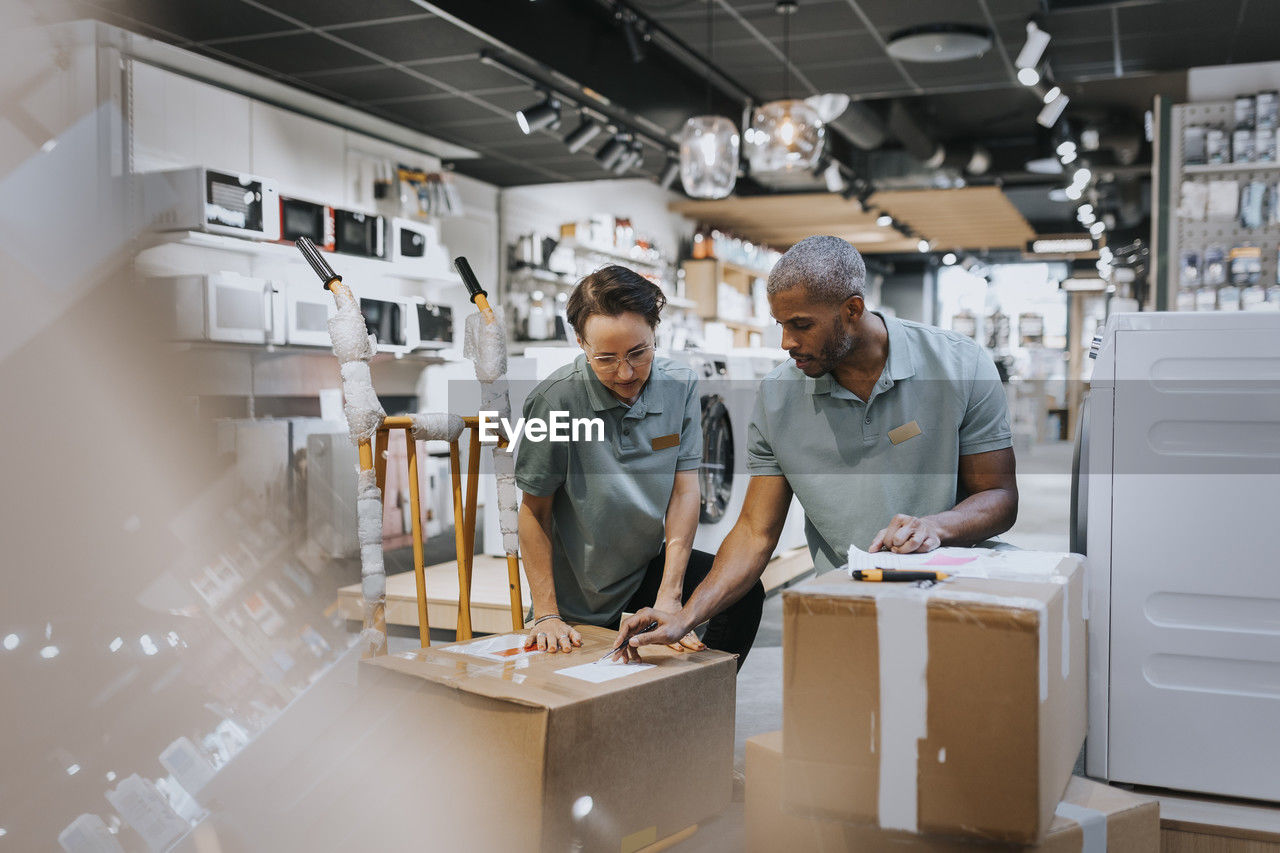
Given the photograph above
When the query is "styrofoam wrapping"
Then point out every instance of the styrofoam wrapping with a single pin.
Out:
(504, 469)
(350, 336)
(437, 426)
(373, 576)
(486, 345)
(360, 404)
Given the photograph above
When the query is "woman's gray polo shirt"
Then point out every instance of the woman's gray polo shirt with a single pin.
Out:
(611, 496)
(839, 455)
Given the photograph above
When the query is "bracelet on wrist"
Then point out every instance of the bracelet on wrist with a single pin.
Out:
(541, 619)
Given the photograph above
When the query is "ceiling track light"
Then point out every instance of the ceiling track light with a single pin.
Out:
(1053, 92)
(612, 151)
(1028, 76)
(543, 114)
(670, 174)
(1033, 48)
(633, 157)
(636, 33)
(1053, 109)
(582, 134)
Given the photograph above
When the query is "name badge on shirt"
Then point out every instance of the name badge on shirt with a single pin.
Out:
(900, 434)
(662, 442)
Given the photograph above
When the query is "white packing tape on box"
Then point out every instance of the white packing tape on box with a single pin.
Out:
(902, 631)
(1093, 825)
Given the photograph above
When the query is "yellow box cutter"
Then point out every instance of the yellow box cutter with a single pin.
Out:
(899, 575)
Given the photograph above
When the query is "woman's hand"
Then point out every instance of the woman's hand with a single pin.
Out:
(553, 635)
(689, 642)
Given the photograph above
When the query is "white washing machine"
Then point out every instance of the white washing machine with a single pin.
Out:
(728, 384)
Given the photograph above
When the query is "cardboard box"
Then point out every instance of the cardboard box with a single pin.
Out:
(954, 710)
(513, 753)
(1092, 818)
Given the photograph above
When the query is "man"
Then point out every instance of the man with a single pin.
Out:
(894, 436)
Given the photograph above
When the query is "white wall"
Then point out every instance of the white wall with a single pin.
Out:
(1224, 82)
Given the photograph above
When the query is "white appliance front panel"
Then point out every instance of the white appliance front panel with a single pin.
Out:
(1195, 593)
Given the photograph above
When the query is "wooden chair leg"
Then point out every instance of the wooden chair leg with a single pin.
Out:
(467, 562)
(380, 458)
(419, 570)
(459, 532)
(517, 602)
(375, 615)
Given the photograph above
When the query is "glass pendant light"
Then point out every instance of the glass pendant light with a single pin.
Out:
(709, 146)
(785, 135)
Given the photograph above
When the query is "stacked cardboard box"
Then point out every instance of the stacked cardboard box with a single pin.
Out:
(1092, 818)
(522, 751)
(956, 710)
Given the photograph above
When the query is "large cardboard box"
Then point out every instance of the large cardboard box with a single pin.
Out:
(1091, 818)
(953, 710)
(509, 750)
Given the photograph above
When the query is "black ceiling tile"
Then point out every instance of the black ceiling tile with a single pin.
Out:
(1184, 50)
(1074, 25)
(813, 18)
(858, 78)
(1073, 60)
(406, 41)
(327, 13)
(436, 93)
(693, 31)
(986, 69)
(294, 54)
(1156, 19)
(373, 84)
(445, 111)
(826, 48)
(466, 74)
(201, 21)
(889, 17)
(1013, 8)
(481, 133)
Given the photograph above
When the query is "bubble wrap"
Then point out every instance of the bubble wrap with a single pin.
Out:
(360, 403)
(496, 397)
(351, 339)
(433, 426)
(373, 577)
(486, 345)
(504, 468)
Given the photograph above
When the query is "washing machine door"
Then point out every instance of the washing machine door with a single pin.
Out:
(715, 477)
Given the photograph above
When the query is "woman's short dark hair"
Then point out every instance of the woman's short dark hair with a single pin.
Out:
(611, 291)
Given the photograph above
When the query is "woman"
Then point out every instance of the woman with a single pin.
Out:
(608, 526)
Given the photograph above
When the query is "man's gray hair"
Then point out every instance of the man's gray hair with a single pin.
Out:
(828, 268)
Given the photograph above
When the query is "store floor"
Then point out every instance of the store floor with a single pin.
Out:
(1044, 486)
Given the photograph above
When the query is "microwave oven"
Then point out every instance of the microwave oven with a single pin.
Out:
(224, 307)
(412, 240)
(387, 320)
(200, 199)
(432, 325)
(356, 233)
(307, 313)
(308, 219)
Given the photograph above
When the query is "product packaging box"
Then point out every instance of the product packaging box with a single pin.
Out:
(503, 749)
(1091, 818)
(957, 709)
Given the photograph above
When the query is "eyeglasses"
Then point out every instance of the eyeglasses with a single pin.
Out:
(637, 358)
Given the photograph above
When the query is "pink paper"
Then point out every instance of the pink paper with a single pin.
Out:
(947, 560)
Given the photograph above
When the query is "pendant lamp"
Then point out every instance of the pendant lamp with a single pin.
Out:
(785, 135)
(709, 146)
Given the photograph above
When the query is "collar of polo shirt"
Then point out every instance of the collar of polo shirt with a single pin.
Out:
(899, 366)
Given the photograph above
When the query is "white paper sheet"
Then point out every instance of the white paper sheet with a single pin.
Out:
(604, 670)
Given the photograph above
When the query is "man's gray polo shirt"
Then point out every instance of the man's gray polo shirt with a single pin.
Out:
(837, 452)
(610, 496)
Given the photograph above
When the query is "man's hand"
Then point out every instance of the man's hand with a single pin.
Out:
(907, 534)
(669, 631)
(689, 642)
(553, 635)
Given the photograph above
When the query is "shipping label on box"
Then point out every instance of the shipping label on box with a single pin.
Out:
(511, 749)
(953, 710)
(1091, 818)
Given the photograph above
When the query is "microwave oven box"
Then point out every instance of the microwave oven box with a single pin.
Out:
(506, 750)
(1091, 818)
(952, 710)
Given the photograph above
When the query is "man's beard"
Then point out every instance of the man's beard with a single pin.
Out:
(836, 348)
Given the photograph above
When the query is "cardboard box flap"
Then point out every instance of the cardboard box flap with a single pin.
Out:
(498, 668)
(1031, 594)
